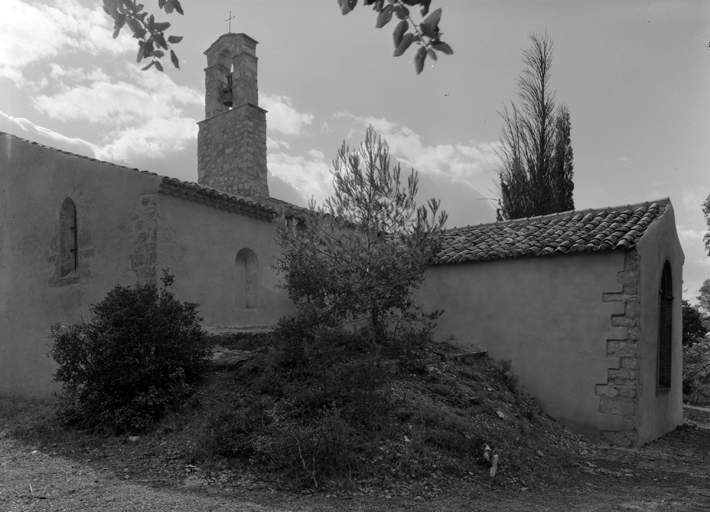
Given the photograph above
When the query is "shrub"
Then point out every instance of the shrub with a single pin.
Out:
(696, 373)
(693, 329)
(133, 361)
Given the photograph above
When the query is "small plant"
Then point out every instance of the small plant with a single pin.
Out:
(133, 361)
(511, 380)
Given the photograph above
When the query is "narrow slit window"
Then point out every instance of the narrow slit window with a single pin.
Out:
(68, 238)
(247, 277)
(665, 329)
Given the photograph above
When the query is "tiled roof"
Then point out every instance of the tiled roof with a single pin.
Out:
(262, 208)
(601, 229)
(250, 207)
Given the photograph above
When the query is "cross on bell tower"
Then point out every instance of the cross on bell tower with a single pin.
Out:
(230, 21)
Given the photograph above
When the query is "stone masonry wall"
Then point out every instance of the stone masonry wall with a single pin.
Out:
(619, 395)
(145, 243)
(231, 151)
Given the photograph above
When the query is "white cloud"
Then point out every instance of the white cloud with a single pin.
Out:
(23, 127)
(691, 234)
(469, 163)
(281, 116)
(63, 73)
(309, 175)
(623, 159)
(693, 198)
(136, 113)
(275, 144)
(31, 33)
(156, 138)
(103, 100)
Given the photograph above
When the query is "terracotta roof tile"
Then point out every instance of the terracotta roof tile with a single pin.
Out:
(262, 208)
(251, 207)
(601, 229)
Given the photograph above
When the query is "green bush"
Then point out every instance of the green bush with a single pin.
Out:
(137, 358)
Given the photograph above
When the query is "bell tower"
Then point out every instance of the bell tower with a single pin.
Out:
(231, 142)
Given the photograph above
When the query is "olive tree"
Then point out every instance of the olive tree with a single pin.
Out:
(359, 257)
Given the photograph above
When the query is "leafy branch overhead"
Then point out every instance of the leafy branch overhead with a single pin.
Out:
(426, 34)
(152, 42)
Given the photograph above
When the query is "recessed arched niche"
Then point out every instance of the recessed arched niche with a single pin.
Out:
(247, 273)
(665, 329)
(68, 238)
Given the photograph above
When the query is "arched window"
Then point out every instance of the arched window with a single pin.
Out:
(247, 277)
(68, 238)
(665, 329)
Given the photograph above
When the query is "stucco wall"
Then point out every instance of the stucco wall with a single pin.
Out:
(547, 315)
(200, 245)
(659, 412)
(33, 296)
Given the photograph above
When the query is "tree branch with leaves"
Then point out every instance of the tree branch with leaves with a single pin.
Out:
(152, 43)
(425, 34)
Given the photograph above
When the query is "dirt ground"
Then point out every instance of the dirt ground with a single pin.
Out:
(43, 470)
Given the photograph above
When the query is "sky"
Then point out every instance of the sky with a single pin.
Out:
(635, 76)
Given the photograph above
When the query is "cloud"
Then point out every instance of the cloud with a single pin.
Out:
(23, 127)
(30, 33)
(155, 138)
(464, 205)
(464, 170)
(693, 198)
(309, 175)
(691, 234)
(279, 189)
(99, 99)
(455, 172)
(466, 162)
(275, 145)
(139, 129)
(136, 114)
(281, 116)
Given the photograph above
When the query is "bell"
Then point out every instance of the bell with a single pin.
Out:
(225, 95)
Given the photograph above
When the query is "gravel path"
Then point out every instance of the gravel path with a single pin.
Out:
(671, 474)
(31, 480)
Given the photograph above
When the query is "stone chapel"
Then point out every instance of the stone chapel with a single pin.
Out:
(586, 304)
